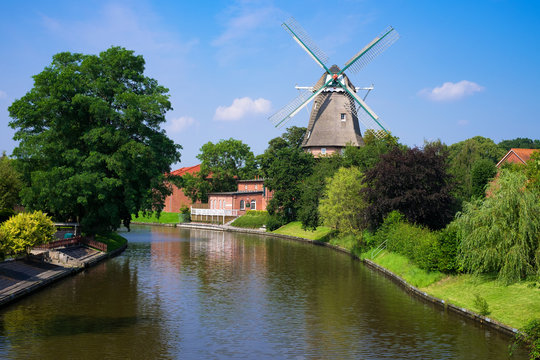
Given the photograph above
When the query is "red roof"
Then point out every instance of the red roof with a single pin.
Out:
(187, 170)
(522, 155)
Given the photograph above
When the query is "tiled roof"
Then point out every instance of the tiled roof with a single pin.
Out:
(187, 170)
(522, 154)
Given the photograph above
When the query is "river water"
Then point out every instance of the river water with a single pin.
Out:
(200, 294)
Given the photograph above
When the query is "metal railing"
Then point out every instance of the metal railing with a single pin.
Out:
(375, 252)
(214, 212)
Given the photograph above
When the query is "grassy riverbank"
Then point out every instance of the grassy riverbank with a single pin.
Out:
(113, 241)
(322, 233)
(164, 218)
(253, 219)
(514, 305)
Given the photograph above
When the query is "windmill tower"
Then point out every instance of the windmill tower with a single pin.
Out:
(337, 108)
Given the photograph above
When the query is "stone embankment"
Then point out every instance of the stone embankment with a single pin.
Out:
(398, 280)
(22, 276)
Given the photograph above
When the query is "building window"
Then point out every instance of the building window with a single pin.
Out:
(343, 118)
(242, 205)
(323, 151)
(253, 204)
(245, 187)
(256, 186)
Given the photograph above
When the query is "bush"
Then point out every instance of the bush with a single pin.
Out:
(427, 249)
(448, 241)
(481, 305)
(530, 337)
(25, 230)
(184, 209)
(274, 222)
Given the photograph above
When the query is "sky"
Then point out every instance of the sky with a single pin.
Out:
(460, 68)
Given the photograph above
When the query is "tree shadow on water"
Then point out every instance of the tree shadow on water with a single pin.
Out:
(68, 325)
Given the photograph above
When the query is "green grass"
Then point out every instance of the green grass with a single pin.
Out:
(165, 218)
(513, 305)
(349, 242)
(113, 241)
(252, 219)
(403, 267)
(295, 229)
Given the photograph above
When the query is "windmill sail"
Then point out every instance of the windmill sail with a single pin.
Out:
(372, 50)
(304, 40)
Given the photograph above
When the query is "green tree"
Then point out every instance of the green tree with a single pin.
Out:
(288, 169)
(312, 190)
(291, 138)
(414, 182)
(500, 234)
(25, 230)
(221, 165)
(532, 170)
(520, 143)
(342, 205)
(365, 157)
(482, 172)
(462, 156)
(90, 143)
(10, 184)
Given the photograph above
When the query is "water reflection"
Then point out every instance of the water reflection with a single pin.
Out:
(202, 294)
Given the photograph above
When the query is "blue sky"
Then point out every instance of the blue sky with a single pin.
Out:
(460, 68)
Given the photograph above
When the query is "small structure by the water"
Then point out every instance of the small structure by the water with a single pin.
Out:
(225, 206)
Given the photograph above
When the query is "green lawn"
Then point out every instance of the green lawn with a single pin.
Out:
(252, 219)
(165, 218)
(113, 241)
(295, 229)
(512, 305)
(403, 267)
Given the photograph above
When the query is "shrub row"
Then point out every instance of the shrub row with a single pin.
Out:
(428, 249)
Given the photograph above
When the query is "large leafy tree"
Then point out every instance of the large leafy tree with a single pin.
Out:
(91, 147)
(501, 233)
(286, 173)
(10, 184)
(463, 155)
(414, 182)
(520, 143)
(342, 206)
(313, 188)
(221, 165)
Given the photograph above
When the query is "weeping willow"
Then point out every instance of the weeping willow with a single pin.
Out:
(501, 234)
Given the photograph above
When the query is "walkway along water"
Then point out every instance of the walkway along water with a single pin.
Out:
(505, 329)
(22, 276)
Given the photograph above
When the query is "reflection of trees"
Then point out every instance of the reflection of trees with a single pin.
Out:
(99, 313)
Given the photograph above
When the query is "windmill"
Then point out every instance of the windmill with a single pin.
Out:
(337, 108)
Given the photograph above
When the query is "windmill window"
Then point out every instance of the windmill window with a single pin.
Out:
(323, 151)
(343, 117)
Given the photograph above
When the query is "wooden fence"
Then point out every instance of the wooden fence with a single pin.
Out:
(74, 241)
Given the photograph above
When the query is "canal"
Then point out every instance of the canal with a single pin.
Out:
(200, 294)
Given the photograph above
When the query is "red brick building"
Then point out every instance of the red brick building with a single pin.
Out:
(177, 199)
(516, 156)
(250, 195)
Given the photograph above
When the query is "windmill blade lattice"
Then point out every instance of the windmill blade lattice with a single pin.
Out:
(372, 50)
(278, 118)
(304, 40)
(376, 126)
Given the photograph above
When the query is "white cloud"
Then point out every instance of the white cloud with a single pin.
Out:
(463, 122)
(178, 124)
(242, 107)
(243, 25)
(452, 91)
(3, 94)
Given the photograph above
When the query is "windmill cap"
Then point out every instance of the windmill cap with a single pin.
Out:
(334, 69)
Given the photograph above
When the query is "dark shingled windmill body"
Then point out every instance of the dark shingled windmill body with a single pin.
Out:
(337, 108)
